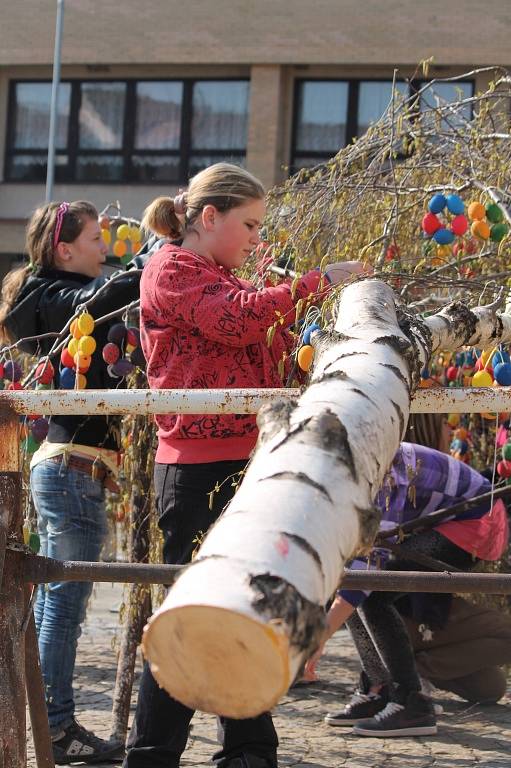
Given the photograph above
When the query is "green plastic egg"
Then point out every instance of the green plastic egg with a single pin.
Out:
(494, 213)
(498, 232)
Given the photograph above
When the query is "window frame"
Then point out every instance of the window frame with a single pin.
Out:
(128, 149)
(352, 109)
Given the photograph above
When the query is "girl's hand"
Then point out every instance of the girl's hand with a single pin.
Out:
(340, 271)
(309, 672)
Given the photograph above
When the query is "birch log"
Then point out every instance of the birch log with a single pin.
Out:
(238, 624)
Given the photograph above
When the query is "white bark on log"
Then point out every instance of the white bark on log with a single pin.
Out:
(239, 623)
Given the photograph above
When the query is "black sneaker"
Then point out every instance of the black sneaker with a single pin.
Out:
(246, 760)
(415, 718)
(362, 706)
(77, 745)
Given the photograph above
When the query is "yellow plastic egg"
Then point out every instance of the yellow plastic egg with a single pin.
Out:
(453, 419)
(86, 324)
(87, 345)
(123, 232)
(107, 236)
(135, 234)
(482, 379)
(81, 381)
(443, 251)
(305, 357)
(72, 347)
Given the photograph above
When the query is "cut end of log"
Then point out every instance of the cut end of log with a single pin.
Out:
(195, 650)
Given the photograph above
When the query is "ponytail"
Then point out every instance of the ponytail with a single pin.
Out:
(160, 217)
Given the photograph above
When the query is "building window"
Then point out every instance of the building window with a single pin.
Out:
(118, 131)
(330, 113)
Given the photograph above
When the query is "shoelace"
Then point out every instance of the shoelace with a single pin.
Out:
(391, 709)
(362, 698)
(85, 737)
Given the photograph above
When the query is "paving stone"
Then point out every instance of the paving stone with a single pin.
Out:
(468, 737)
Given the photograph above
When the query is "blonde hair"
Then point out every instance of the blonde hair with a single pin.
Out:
(40, 248)
(223, 185)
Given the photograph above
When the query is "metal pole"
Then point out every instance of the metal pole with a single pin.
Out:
(50, 170)
(40, 570)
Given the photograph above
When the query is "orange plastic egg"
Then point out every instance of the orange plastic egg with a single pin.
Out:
(119, 248)
(480, 229)
(305, 357)
(476, 211)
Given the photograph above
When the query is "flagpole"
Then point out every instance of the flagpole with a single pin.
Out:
(50, 171)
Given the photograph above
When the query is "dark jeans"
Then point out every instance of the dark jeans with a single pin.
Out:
(160, 729)
(378, 630)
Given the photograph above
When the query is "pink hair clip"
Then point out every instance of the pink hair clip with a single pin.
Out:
(61, 212)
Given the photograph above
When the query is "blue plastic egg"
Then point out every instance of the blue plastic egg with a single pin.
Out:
(502, 374)
(309, 331)
(443, 236)
(500, 356)
(67, 378)
(455, 205)
(437, 203)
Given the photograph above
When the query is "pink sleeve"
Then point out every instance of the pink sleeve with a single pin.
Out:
(193, 297)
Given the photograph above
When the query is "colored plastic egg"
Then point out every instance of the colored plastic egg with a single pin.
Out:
(135, 234)
(500, 356)
(111, 353)
(123, 232)
(67, 378)
(86, 324)
(44, 372)
(502, 373)
(117, 333)
(455, 205)
(480, 229)
(443, 236)
(494, 213)
(119, 248)
(504, 468)
(87, 345)
(74, 330)
(12, 370)
(430, 223)
(39, 429)
(482, 379)
(437, 203)
(305, 357)
(452, 373)
(453, 419)
(81, 382)
(107, 236)
(309, 331)
(476, 211)
(82, 362)
(498, 232)
(132, 336)
(459, 225)
(72, 347)
(29, 444)
(123, 367)
(506, 452)
(66, 358)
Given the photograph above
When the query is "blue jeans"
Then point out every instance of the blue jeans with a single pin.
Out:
(72, 526)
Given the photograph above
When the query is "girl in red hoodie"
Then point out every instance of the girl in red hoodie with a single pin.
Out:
(203, 327)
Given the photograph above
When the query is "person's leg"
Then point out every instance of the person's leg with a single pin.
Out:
(486, 686)
(371, 695)
(70, 508)
(188, 506)
(409, 712)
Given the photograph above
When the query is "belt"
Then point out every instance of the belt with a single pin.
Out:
(93, 468)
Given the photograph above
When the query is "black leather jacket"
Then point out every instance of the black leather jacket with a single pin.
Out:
(45, 303)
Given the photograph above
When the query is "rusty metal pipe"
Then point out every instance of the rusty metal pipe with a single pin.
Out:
(145, 402)
(36, 700)
(43, 569)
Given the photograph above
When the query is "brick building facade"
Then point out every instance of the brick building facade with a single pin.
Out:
(152, 92)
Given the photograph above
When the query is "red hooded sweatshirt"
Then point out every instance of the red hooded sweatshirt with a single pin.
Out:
(203, 328)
